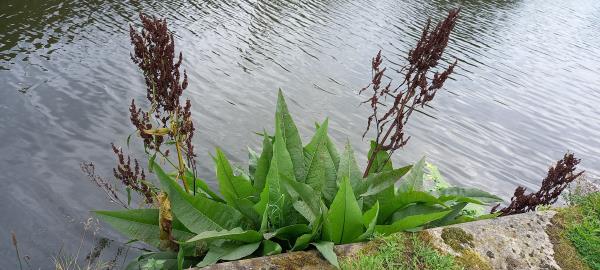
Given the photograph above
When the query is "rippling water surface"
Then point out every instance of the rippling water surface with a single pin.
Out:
(527, 89)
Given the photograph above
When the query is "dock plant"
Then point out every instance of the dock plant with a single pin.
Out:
(292, 196)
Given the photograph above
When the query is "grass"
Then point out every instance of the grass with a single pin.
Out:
(402, 251)
(582, 227)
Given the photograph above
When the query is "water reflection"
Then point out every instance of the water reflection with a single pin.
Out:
(526, 90)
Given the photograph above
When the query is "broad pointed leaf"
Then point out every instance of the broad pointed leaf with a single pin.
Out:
(227, 252)
(410, 222)
(414, 180)
(416, 209)
(141, 224)
(333, 152)
(470, 193)
(320, 170)
(344, 219)
(270, 248)
(263, 163)
(201, 186)
(233, 187)
(305, 200)
(304, 240)
(326, 249)
(377, 182)
(237, 234)
(198, 213)
(349, 168)
(290, 232)
(382, 161)
(288, 131)
(369, 221)
(281, 170)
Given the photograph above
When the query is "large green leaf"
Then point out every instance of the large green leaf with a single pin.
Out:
(253, 158)
(464, 194)
(270, 248)
(382, 161)
(320, 170)
(326, 249)
(304, 240)
(414, 180)
(416, 209)
(237, 234)
(287, 129)
(388, 203)
(228, 252)
(233, 187)
(290, 232)
(391, 201)
(198, 213)
(378, 182)
(349, 168)
(262, 208)
(450, 217)
(159, 260)
(410, 222)
(305, 200)
(406, 198)
(280, 209)
(343, 223)
(333, 152)
(263, 163)
(369, 221)
(141, 224)
(201, 186)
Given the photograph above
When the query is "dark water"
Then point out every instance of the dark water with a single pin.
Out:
(526, 90)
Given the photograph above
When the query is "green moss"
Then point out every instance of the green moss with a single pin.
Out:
(471, 260)
(400, 251)
(457, 238)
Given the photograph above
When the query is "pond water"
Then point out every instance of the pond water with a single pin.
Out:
(526, 90)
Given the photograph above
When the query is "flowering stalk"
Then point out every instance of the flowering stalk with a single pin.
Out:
(154, 53)
(416, 88)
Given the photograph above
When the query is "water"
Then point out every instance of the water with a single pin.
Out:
(526, 90)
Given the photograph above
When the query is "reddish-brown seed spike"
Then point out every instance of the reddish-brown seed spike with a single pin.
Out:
(414, 89)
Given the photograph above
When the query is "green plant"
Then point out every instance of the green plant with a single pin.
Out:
(403, 251)
(583, 228)
(291, 197)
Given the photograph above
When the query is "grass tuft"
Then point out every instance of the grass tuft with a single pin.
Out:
(403, 251)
